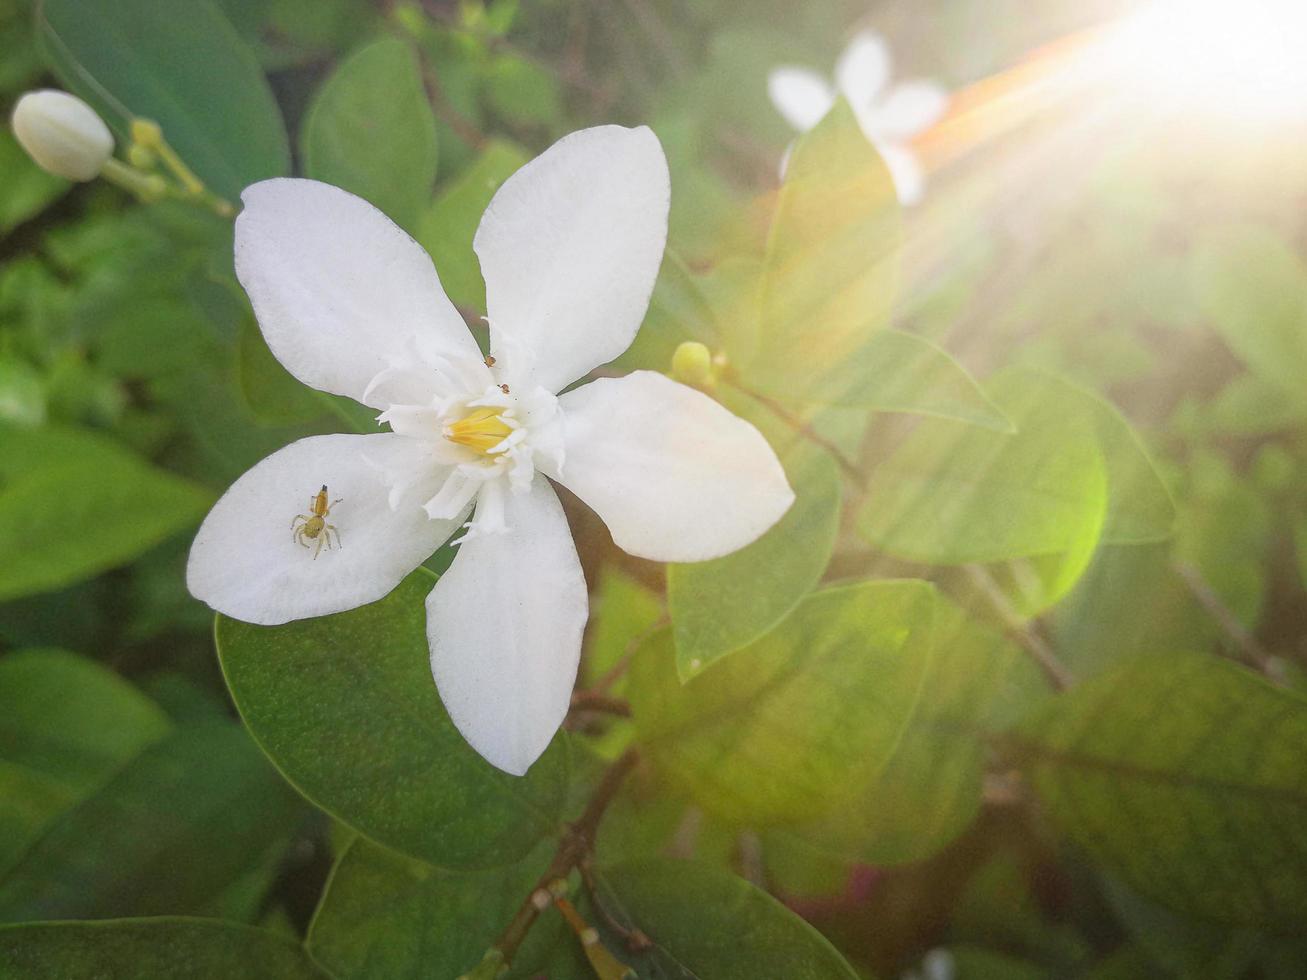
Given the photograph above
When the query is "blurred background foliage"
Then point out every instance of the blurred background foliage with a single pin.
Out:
(1015, 690)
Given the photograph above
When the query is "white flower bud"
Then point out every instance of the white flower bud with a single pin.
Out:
(62, 134)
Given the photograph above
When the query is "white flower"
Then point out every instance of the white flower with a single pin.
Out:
(570, 247)
(62, 134)
(889, 119)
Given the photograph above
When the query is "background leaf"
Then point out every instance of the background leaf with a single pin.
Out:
(191, 73)
(73, 504)
(346, 708)
(706, 923)
(370, 130)
(162, 949)
(790, 726)
(1187, 775)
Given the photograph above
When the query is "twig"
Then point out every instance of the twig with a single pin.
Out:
(801, 427)
(456, 121)
(635, 940)
(575, 845)
(598, 701)
(1244, 643)
(1020, 630)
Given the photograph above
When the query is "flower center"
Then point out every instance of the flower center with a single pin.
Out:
(482, 429)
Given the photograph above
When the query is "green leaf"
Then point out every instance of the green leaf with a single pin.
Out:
(679, 311)
(273, 394)
(953, 493)
(893, 371)
(66, 725)
(523, 92)
(789, 727)
(722, 605)
(447, 227)
(710, 924)
(370, 130)
(346, 708)
(1187, 776)
(162, 949)
(1254, 292)
(622, 612)
(28, 188)
(183, 820)
(188, 71)
(978, 683)
(832, 260)
(73, 504)
(381, 910)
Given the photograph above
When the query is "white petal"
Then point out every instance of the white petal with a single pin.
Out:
(340, 291)
(800, 95)
(674, 475)
(863, 68)
(909, 181)
(909, 109)
(570, 247)
(246, 563)
(505, 624)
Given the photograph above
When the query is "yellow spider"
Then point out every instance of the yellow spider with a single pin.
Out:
(315, 526)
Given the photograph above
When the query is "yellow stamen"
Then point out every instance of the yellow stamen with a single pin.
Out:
(482, 429)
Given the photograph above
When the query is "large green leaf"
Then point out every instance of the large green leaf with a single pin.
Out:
(187, 69)
(73, 504)
(721, 605)
(952, 493)
(792, 725)
(160, 949)
(709, 924)
(370, 130)
(1187, 776)
(832, 260)
(346, 708)
(184, 820)
(66, 725)
(978, 682)
(385, 916)
(1253, 288)
(447, 227)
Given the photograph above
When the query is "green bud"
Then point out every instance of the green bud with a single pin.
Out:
(141, 157)
(692, 365)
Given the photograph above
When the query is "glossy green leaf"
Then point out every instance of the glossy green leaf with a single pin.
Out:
(832, 260)
(66, 725)
(346, 708)
(370, 130)
(1253, 289)
(978, 682)
(953, 493)
(183, 820)
(447, 227)
(791, 726)
(74, 504)
(1187, 776)
(710, 924)
(893, 371)
(722, 605)
(381, 912)
(170, 948)
(190, 72)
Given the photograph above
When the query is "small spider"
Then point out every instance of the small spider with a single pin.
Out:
(315, 526)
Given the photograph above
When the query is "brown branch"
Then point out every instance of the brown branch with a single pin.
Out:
(1241, 638)
(575, 845)
(803, 429)
(601, 702)
(1019, 630)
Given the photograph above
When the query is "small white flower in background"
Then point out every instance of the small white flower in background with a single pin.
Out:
(570, 247)
(889, 117)
(62, 134)
(938, 964)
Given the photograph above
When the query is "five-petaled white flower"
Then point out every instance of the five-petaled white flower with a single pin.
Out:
(889, 119)
(570, 247)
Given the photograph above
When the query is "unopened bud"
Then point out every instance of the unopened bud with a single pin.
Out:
(692, 364)
(62, 134)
